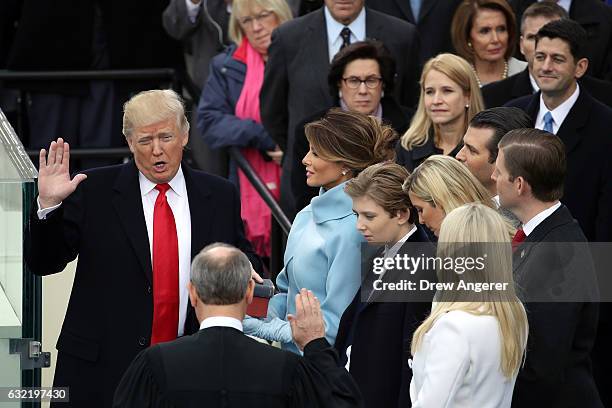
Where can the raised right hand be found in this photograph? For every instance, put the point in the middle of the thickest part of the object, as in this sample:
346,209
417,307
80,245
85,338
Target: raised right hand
54,183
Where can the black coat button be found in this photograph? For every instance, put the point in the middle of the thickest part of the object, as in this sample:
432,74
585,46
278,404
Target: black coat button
142,341
149,289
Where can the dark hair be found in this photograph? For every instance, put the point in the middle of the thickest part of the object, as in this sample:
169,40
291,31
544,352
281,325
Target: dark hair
369,49
569,31
547,9
351,138
382,183
501,120
464,19
538,157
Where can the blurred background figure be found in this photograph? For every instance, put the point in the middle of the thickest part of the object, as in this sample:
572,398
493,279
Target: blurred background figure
595,17
361,79
441,184
484,33
229,113
450,97
375,332
431,17
469,350
324,247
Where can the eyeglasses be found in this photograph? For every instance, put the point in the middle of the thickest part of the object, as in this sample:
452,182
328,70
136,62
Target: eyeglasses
248,20
370,82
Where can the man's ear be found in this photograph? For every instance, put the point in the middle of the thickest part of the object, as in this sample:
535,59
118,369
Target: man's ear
250,291
403,216
193,295
581,68
130,143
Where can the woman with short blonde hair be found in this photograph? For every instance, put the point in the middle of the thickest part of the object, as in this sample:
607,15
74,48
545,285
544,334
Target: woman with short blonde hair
467,353
441,184
449,98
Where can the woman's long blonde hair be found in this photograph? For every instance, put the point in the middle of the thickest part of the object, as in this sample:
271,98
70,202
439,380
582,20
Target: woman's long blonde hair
458,70
470,230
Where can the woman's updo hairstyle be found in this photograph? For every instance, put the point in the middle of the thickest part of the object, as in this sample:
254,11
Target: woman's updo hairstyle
355,140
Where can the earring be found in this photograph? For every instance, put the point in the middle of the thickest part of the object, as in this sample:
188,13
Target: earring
382,94
344,172
340,94
467,106
470,44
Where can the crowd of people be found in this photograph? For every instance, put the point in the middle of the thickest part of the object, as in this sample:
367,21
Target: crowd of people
383,130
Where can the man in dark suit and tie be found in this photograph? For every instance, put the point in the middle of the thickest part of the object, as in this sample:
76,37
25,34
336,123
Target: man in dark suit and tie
134,228
596,18
529,173
535,17
432,17
583,124
295,83
221,367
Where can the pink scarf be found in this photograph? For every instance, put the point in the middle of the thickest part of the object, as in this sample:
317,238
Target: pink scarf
255,213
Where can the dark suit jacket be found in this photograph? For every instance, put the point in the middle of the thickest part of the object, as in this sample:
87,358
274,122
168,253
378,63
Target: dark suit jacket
596,18
501,92
433,24
588,187
110,312
557,371
221,367
411,159
380,334
295,82
396,116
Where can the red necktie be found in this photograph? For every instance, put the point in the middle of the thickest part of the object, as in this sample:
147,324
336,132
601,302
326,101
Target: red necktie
519,237
165,270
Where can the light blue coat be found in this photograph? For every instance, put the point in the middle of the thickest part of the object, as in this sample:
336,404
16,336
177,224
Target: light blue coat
322,255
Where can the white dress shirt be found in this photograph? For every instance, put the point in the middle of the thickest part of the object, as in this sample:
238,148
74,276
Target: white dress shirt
221,321
334,41
193,10
458,364
179,203
534,85
559,113
530,225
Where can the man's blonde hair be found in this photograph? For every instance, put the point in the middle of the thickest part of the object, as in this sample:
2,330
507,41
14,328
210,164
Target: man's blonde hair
149,107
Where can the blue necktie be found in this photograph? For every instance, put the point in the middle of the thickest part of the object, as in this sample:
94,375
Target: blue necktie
548,122
416,9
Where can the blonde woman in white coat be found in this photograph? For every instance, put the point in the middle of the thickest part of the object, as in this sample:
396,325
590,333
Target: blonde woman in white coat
467,353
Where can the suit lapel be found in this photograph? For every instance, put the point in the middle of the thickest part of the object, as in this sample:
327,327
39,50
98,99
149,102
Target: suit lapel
404,6
201,211
127,201
522,85
316,52
576,119
426,6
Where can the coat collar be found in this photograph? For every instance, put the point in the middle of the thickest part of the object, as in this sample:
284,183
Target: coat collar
332,204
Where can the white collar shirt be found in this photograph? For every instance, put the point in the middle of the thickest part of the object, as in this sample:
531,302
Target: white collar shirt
530,225
221,321
534,85
179,203
559,113
334,41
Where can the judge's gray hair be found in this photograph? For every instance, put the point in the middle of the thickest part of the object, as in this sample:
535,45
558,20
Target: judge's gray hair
220,274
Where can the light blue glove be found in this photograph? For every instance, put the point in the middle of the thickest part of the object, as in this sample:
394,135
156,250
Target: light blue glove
271,329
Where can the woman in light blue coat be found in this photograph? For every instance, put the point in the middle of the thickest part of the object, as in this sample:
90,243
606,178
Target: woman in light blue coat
324,247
